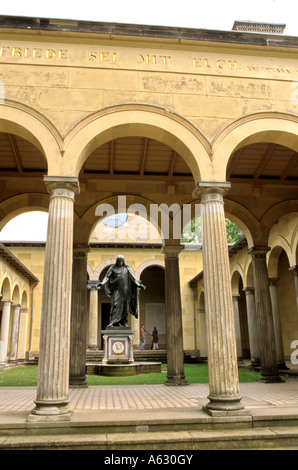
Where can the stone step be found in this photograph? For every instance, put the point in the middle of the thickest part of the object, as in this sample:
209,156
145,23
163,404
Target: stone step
228,439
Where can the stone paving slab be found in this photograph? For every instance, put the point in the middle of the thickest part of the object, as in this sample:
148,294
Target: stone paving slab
152,397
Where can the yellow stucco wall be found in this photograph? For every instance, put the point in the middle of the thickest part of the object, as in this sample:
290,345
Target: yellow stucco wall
203,98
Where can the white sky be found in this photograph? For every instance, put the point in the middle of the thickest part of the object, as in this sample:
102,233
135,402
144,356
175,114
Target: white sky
205,14
199,14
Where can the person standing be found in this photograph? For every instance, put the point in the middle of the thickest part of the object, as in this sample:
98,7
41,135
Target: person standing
143,333
154,338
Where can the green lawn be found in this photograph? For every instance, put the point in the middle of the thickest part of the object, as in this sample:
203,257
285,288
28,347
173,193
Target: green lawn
25,376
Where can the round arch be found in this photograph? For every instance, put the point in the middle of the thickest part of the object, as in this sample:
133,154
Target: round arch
24,299
279,128
236,275
21,203
6,289
27,123
85,225
273,258
16,295
148,263
138,120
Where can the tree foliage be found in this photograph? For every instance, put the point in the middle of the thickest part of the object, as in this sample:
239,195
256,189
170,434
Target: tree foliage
192,232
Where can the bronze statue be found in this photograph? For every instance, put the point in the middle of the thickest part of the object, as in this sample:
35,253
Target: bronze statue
123,288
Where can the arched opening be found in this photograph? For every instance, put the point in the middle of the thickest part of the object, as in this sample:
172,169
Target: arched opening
28,226
152,304
286,303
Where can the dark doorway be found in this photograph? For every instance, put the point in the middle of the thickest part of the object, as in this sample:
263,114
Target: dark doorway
105,315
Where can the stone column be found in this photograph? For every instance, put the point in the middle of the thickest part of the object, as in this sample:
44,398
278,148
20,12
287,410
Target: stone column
237,326
79,316
53,371
277,325
252,326
93,317
175,354
203,340
295,273
14,332
4,330
268,356
222,355
22,342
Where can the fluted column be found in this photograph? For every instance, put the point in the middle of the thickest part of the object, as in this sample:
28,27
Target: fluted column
237,326
277,324
4,329
79,315
222,355
294,269
53,371
14,332
93,316
175,354
268,356
252,326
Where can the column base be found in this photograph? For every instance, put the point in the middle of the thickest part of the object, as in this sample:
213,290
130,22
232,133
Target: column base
50,412
255,364
225,406
78,382
270,378
173,381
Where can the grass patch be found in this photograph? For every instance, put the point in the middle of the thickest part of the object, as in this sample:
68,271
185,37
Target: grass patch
26,376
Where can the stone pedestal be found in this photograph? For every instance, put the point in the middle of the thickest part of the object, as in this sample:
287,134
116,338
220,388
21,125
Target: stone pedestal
118,346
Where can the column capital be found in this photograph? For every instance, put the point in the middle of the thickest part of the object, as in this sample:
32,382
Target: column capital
172,251
62,185
248,290
273,281
258,251
80,250
92,284
294,269
210,189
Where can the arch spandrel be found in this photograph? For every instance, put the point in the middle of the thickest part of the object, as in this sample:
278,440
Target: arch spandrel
138,120
272,127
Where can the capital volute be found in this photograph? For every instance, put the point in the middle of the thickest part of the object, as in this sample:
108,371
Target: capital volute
210,191
63,186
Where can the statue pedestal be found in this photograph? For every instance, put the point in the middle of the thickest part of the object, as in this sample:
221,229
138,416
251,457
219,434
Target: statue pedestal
118,346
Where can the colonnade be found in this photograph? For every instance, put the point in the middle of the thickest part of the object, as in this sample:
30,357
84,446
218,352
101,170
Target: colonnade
17,315
64,280
63,324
